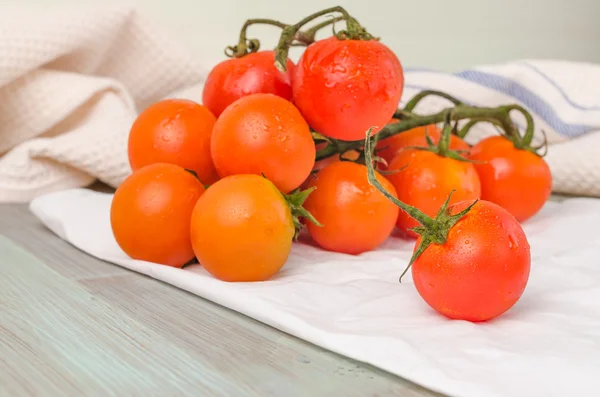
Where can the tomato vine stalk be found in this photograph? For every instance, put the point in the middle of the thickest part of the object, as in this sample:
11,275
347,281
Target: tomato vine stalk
499,116
431,230
247,46
354,31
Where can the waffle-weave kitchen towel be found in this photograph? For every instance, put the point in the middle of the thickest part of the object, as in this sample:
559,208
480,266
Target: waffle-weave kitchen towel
72,82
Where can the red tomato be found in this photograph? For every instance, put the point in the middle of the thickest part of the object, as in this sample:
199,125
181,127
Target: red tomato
264,134
515,179
345,87
481,270
242,229
427,181
237,77
150,214
389,147
355,216
175,131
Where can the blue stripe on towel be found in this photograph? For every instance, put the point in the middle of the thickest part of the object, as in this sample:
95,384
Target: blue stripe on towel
558,88
527,98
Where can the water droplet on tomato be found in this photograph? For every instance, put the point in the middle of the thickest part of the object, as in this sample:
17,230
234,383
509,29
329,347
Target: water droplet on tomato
512,244
339,69
329,84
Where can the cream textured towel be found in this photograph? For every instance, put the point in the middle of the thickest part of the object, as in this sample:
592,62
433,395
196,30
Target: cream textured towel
71,83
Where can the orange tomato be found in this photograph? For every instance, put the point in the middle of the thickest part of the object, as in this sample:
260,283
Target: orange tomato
355,216
150,214
515,179
264,134
175,131
242,229
427,180
389,147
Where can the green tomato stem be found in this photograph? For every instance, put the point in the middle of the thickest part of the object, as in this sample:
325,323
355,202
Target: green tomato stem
353,31
459,112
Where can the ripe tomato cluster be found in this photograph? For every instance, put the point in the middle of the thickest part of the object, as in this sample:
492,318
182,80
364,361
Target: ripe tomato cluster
320,146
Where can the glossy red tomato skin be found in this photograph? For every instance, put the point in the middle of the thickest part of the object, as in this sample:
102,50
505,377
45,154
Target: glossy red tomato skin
482,269
515,179
174,131
264,134
151,211
355,216
345,87
237,77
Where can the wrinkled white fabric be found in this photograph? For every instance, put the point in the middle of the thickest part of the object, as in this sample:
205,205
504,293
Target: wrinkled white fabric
547,345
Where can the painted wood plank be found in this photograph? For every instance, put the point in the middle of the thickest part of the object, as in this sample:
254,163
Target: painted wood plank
291,365
58,339
17,223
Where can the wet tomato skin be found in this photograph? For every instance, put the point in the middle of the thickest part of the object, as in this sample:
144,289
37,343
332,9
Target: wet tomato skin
355,216
481,270
238,77
264,134
242,229
425,179
345,87
515,179
175,131
150,214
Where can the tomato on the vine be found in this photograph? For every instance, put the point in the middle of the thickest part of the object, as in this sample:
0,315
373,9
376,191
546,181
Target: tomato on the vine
175,131
518,180
250,74
388,148
264,134
242,229
481,270
150,214
424,180
345,87
355,217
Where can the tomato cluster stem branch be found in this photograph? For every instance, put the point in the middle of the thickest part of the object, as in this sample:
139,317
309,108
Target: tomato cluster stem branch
245,46
460,112
414,212
308,37
289,33
412,104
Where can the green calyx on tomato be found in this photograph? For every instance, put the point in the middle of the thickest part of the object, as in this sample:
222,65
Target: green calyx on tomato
295,201
442,148
432,230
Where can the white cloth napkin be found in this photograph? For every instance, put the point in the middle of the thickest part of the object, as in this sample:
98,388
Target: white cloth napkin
547,345
72,81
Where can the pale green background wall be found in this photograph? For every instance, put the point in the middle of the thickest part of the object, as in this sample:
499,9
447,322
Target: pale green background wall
442,34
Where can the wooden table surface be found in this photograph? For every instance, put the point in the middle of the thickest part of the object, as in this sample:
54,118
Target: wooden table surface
72,325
